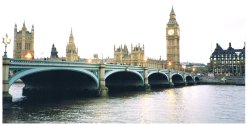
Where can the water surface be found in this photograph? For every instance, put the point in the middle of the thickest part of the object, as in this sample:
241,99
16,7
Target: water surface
200,103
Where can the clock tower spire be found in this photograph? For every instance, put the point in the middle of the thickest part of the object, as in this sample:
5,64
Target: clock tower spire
173,37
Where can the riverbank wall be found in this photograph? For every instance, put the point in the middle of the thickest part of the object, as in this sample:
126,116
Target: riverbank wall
225,81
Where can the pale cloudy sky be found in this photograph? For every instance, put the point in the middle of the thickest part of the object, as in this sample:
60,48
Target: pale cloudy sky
98,25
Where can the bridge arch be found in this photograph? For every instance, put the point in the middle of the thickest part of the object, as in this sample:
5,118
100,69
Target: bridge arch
37,70
124,80
177,79
189,80
56,82
158,79
197,79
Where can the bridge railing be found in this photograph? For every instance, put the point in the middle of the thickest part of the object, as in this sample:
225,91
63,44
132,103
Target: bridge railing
20,62
49,63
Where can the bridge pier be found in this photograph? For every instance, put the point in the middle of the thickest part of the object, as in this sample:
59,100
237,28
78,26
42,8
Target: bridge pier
7,98
103,90
146,84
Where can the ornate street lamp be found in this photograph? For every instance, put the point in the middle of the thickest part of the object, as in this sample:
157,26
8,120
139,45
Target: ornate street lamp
6,41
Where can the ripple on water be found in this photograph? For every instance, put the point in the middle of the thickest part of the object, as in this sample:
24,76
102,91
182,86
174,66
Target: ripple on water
200,104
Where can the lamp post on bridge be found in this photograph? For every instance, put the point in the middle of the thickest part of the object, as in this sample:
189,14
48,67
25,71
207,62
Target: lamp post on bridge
6,41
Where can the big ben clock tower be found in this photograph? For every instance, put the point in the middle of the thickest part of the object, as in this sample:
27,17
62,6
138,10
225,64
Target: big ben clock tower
173,37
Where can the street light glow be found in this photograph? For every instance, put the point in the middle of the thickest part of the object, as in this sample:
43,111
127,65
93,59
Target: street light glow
90,60
28,56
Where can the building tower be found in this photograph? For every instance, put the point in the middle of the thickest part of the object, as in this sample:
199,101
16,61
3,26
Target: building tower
137,55
23,43
71,50
53,54
173,37
120,54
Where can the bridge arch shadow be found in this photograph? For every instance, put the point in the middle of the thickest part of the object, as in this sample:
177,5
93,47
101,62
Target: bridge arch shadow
197,79
178,80
189,80
57,82
158,80
121,80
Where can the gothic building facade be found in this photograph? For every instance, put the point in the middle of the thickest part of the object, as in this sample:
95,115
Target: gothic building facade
71,50
228,62
136,57
23,43
173,44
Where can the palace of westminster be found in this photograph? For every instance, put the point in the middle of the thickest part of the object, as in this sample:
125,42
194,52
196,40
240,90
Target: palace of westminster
221,61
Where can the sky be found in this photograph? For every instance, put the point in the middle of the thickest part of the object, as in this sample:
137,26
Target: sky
98,25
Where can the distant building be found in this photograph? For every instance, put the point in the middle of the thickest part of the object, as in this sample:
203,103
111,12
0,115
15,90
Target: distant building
155,63
229,62
193,67
53,54
23,43
135,57
173,44
71,50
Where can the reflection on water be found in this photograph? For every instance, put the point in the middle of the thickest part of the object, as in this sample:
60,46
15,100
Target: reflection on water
201,104
16,90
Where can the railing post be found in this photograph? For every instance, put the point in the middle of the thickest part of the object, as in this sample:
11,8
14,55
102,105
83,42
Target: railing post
103,90
146,85
7,98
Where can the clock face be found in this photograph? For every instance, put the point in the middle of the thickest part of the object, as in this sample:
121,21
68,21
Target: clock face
170,31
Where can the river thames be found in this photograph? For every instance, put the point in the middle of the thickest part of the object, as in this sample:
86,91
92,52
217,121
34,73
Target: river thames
190,104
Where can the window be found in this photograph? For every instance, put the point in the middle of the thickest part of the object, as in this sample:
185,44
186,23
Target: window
27,46
18,46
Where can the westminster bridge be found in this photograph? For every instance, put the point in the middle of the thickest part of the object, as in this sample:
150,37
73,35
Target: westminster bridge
61,77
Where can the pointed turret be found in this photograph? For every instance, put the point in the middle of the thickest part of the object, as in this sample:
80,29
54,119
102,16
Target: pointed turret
71,37
32,29
172,11
24,27
15,27
71,50
172,19
15,30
